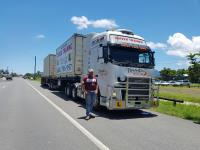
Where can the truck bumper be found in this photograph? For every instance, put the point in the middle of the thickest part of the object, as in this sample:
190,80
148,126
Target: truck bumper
122,105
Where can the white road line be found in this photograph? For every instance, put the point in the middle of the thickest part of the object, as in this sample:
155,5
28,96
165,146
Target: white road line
96,141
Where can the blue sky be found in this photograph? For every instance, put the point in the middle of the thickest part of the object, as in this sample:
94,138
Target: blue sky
29,28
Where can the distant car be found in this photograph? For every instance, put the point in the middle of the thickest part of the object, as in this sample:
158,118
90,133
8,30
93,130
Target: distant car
25,77
184,82
157,82
164,83
172,82
8,77
179,83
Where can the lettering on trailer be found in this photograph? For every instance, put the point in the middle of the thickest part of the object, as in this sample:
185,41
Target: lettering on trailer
59,53
64,58
64,68
98,40
67,48
64,49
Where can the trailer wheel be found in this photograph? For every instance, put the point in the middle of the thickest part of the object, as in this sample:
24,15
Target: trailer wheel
68,91
50,86
74,93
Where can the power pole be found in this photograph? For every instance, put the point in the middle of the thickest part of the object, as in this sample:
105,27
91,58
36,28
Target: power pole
35,69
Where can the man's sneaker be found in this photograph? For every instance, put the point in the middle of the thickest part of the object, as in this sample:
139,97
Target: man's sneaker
92,116
87,117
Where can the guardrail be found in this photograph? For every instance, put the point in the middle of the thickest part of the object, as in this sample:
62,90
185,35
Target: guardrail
156,90
172,100
189,86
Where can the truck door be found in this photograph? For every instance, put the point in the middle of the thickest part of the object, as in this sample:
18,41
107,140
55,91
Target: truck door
100,58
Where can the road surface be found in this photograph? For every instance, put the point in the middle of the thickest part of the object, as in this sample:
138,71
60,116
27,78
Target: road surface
34,118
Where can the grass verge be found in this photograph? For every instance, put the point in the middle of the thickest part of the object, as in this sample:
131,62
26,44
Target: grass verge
189,112
180,96
180,93
37,79
195,85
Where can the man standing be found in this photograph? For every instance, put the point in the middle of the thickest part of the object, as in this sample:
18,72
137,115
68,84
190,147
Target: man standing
90,88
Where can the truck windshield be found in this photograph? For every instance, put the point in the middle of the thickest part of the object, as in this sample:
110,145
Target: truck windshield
131,57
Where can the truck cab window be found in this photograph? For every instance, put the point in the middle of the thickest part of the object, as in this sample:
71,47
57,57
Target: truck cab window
131,57
144,58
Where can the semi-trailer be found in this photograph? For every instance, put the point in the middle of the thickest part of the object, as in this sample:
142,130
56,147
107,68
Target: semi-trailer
122,62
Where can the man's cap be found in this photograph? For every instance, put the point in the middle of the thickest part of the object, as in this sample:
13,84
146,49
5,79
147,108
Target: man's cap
90,70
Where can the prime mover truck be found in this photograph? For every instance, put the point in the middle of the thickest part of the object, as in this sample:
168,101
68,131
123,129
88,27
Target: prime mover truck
122,63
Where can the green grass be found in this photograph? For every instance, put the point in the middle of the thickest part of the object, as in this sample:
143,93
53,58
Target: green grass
180,93
189,112
180,96
37,79
195,85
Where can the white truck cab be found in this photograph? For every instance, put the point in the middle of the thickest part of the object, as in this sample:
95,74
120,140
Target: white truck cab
124,65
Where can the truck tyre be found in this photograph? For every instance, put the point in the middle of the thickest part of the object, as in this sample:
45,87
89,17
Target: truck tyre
68,91
50,86
74,93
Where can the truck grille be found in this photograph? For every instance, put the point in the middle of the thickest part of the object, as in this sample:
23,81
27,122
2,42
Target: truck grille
138,80
138,88
138,98
138,92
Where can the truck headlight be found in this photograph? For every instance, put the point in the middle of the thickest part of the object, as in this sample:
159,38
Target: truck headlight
114,94
122,78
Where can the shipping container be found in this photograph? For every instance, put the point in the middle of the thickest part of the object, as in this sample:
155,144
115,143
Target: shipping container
70,57
49,66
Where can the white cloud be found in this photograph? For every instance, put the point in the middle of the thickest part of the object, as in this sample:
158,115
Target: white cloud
157,45
83,23
177,52
40,36
183,63
104,23
180,45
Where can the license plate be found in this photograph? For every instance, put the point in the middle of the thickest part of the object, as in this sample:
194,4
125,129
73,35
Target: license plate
119,104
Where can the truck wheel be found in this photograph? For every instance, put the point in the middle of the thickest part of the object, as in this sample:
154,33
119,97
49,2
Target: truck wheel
68,91
50,86
74,93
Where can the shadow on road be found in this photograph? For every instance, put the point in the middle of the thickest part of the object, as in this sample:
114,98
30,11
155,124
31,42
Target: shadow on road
44,87
124,114
197,122
61,95
110,114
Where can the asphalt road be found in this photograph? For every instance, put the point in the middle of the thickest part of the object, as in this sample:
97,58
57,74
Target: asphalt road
34,118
